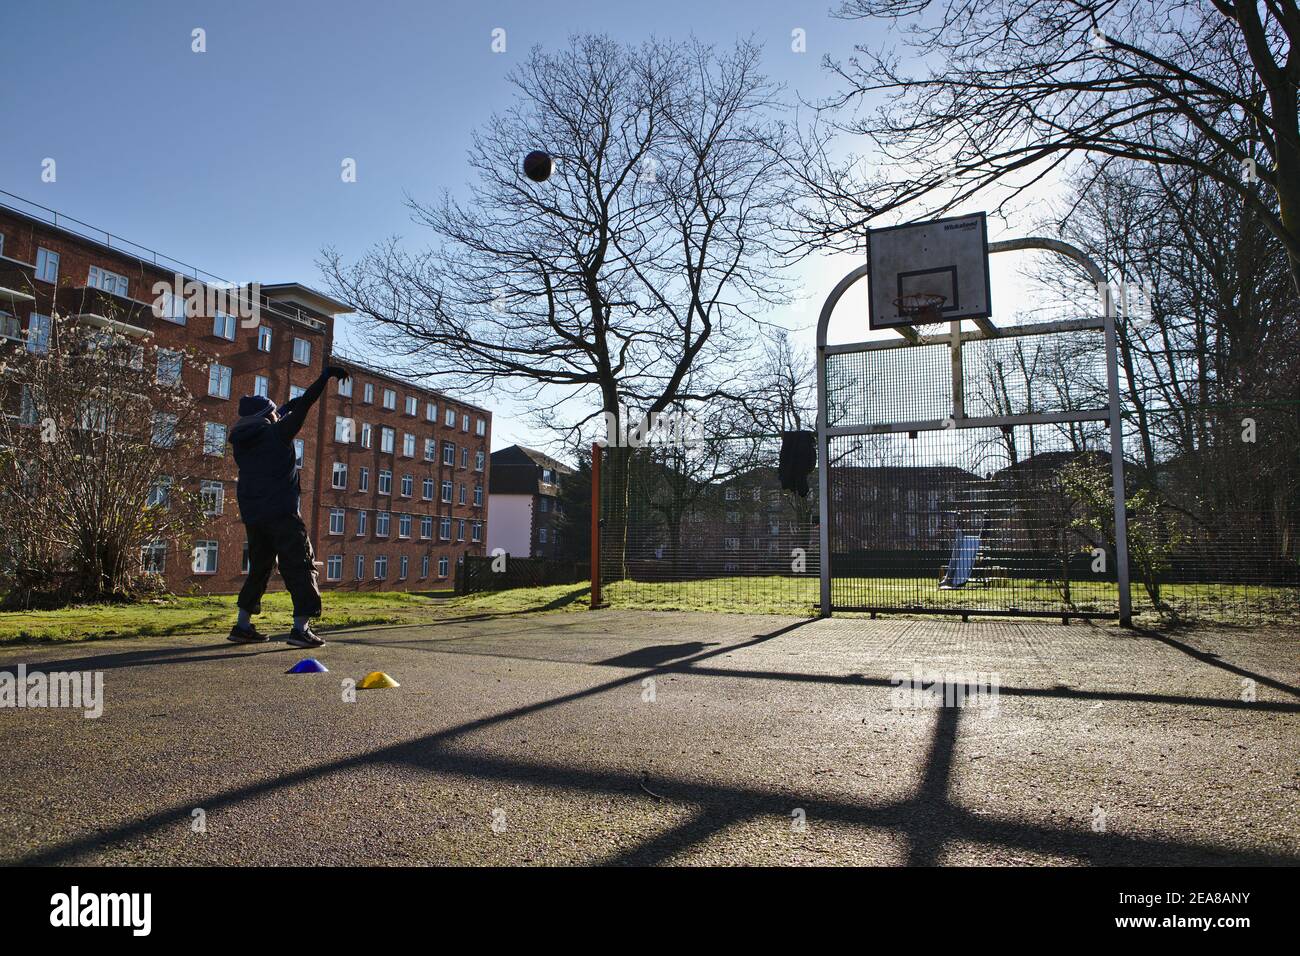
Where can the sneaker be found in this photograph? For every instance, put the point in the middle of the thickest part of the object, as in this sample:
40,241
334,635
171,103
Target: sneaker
304,638
246,635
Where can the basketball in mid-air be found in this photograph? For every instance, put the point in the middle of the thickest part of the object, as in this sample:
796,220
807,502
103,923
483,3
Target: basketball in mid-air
538,166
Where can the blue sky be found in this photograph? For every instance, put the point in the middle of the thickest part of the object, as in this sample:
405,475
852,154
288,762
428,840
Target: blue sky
230,159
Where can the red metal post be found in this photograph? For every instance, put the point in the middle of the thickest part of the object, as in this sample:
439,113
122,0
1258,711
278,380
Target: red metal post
595,526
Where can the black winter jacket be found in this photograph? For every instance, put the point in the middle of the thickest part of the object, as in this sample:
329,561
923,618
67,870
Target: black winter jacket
268,470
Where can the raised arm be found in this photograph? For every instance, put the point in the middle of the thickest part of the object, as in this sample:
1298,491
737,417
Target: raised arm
294,413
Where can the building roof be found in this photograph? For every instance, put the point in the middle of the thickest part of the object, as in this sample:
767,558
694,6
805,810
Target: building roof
343,359
305,295
520,455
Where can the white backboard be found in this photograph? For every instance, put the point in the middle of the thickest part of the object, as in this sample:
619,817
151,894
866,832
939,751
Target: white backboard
948,257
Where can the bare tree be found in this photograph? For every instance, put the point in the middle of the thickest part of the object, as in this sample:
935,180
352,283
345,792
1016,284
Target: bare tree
1009,91
635,275
96,456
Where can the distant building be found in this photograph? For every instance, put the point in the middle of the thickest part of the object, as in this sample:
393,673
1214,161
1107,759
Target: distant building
524,492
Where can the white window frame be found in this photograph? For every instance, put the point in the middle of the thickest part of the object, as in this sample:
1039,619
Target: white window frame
389,399
217,489
408,445
338,521
387,439
223,326
262,386
167,359
107,281
264,338
344,430
302,351
345,387
334,567
449,418
219,379
44,272
339,475
209,434
211,549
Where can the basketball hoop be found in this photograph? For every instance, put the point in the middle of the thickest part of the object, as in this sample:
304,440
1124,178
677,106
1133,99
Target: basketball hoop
921,306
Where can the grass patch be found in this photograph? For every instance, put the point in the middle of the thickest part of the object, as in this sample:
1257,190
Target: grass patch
213,614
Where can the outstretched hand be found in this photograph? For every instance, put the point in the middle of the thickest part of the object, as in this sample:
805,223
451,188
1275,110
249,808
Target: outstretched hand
336,371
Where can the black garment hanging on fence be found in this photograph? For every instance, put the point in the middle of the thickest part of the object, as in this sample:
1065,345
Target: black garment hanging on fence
798,459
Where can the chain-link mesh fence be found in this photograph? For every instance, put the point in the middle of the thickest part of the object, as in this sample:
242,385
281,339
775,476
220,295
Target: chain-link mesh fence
706,528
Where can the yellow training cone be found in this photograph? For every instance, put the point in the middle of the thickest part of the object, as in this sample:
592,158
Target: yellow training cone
377,679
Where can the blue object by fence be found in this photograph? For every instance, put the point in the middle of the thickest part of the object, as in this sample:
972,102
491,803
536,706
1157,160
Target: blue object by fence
964,550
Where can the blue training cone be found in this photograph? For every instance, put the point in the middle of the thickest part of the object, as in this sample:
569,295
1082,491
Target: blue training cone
308,665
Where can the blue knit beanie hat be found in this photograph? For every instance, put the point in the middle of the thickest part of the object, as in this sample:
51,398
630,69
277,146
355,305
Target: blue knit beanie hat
255,405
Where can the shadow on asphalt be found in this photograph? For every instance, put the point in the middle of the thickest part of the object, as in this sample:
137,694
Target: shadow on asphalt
928,821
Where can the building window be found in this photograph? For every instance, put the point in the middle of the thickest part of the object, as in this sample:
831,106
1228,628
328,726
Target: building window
334,567
169,367
337,518
361,523
479,458
339,475
461,499
403,526
385,481
412,405
387,438
430,449
153,557
446,492
381,567
408,485
541,535
426,527
390,399
219,380
164,430
295,391
345,386
478,496
464,423
382,520
214,438
408,445
264,338
212,494
344,430
160,492
365,435
431,411
360,570
223,326
460,529
47,265
424,566
368,393
733,494
543,504
444,565
38,334
363,479
107,281
480,427
449,418
302,351
444,529
11,327
449,454
402,564
464,457
476,531
205,557
262,386
299,449
426,489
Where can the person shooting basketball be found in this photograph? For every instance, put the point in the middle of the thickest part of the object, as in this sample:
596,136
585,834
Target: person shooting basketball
268,493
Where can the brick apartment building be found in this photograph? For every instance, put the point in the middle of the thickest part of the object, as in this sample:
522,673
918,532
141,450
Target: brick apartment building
54,265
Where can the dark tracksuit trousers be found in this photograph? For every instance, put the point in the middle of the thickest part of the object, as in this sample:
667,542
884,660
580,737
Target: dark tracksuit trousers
269,494
284,539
